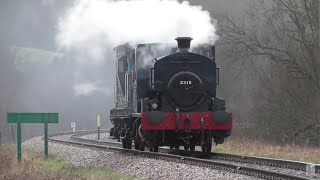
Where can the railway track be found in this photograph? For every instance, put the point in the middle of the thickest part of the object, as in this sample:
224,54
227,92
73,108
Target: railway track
246,165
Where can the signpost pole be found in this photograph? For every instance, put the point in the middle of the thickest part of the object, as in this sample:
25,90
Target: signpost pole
46,137
98,122
12,132
19,141
44,118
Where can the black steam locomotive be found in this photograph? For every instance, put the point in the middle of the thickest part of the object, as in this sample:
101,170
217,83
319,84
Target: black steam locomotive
166,96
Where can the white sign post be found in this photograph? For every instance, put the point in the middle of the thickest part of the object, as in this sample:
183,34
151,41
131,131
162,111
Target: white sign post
73,126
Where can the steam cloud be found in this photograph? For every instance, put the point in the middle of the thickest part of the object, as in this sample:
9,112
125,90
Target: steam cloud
87,89
95,23
90,27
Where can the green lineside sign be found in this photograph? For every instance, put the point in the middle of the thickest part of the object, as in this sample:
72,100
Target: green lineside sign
20,118
32,117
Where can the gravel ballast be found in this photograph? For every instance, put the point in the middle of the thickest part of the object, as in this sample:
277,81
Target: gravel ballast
128,164
105,137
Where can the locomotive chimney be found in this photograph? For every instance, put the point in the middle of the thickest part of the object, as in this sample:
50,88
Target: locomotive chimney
183,44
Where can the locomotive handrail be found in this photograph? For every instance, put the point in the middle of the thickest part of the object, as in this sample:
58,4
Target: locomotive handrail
218,76
126,86
152,76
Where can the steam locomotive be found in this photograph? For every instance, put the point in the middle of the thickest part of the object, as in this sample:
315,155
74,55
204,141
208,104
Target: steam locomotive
166,96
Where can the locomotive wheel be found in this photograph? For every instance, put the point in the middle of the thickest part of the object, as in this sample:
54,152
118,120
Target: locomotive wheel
138,145
142,146
192,148
129,144
124,144
154,148
186,147
206,148
111,131
116,134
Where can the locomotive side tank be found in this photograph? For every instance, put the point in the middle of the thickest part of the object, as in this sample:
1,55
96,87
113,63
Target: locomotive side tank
172,100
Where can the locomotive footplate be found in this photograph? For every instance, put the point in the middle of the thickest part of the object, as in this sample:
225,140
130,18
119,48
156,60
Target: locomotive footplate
120,113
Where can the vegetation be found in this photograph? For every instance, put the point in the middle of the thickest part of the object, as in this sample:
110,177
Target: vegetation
35,167
274,54
263,149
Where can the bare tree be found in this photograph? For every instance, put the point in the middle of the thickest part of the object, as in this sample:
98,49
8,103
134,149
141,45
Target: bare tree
280,39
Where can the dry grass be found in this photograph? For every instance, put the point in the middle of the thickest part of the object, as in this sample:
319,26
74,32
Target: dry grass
35,167
10,169
259,148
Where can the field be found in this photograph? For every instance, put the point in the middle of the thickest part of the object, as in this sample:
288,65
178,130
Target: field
35,167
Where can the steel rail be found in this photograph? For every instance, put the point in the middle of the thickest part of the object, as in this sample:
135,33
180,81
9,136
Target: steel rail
281,163
83,132
272,162
255,172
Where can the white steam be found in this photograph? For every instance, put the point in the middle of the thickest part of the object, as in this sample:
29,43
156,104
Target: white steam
96,23
90,27
87,89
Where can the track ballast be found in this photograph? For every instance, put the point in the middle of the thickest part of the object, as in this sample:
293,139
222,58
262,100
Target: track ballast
215,160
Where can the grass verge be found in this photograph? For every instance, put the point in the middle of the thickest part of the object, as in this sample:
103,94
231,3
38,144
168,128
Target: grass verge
35,167
262,149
